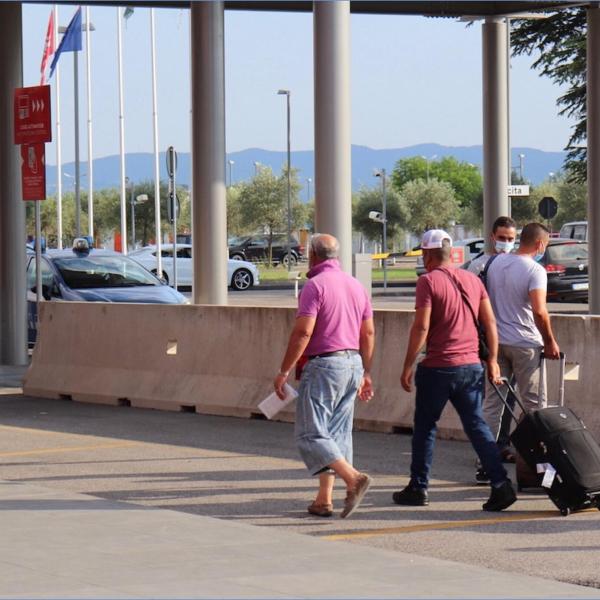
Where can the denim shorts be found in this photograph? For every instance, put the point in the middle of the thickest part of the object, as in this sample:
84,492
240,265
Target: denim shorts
325,410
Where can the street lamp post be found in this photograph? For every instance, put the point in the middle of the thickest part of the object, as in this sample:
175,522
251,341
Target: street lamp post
230,163
308,182
381,173
256,167
521,157
427,164
289,182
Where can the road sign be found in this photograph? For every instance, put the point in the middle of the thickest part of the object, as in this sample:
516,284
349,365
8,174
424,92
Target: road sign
32,115
33,171
548,207
518,190
173,207
171,161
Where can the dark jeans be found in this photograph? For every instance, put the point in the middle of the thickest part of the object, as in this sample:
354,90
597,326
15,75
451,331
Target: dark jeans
463,386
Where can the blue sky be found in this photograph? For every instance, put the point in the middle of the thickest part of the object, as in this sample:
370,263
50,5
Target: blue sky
413,80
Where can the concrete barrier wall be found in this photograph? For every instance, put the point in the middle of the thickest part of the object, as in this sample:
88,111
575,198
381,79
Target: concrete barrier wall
221,360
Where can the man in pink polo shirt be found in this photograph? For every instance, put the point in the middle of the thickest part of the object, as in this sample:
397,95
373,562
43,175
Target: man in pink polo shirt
334,331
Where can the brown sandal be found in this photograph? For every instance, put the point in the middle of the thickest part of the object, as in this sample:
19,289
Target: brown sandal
321,510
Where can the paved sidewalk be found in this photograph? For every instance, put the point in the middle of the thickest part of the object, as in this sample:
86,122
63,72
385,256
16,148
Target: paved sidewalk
108,502
62,544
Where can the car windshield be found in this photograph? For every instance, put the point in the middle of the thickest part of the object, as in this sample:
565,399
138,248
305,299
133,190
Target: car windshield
236,241
567,252
84,272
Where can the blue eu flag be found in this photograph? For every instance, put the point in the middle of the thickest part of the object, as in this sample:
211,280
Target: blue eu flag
71,41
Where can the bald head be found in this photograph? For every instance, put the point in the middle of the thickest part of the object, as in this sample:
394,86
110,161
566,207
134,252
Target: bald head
324,246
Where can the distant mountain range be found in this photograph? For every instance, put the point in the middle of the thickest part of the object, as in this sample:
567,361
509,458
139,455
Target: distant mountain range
537,164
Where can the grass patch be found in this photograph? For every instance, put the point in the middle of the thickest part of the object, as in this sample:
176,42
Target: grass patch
395,274
280,274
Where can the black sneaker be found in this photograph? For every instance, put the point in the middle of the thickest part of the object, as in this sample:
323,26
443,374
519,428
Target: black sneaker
501,497
481,477
411,496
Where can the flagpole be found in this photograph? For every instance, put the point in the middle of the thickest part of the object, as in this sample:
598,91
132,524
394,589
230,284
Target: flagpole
157,219
76,128
59,229
122,135
88,50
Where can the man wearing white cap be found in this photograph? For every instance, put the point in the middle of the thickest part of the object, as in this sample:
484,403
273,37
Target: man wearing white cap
449,305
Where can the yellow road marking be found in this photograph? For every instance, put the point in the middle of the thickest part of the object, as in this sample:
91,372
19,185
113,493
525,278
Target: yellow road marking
542,514
67,449
41,431
90,436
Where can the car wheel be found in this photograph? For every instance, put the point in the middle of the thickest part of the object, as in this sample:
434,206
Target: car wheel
291,258
242,279
164,276
237,257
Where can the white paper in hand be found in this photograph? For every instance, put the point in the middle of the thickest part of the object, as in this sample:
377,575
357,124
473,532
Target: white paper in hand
271,405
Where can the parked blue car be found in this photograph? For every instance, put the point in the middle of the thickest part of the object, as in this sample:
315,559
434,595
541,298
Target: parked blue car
89,275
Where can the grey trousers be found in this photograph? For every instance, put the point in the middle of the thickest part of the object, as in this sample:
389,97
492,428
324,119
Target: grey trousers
524,365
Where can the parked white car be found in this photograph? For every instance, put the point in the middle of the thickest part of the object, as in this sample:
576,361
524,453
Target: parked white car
241,275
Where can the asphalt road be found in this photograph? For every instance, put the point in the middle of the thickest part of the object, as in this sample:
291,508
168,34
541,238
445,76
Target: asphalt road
395,299
248,471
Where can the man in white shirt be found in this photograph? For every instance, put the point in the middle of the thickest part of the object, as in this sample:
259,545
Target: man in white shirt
516,284
504,234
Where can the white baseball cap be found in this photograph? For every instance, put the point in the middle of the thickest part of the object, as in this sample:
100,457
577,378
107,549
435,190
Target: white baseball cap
434,238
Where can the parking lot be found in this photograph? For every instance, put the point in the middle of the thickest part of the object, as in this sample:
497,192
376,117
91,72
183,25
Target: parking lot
395,298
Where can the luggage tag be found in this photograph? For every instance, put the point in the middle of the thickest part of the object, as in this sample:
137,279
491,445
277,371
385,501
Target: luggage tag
549,474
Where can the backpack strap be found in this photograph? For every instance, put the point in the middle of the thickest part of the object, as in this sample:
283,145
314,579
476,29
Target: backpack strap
464,296
484,273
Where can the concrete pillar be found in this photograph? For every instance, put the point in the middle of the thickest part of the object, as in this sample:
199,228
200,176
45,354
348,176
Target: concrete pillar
495,123
13,319
209,212
593,155
333,175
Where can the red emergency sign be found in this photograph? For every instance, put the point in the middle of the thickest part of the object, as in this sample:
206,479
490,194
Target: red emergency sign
457,255
33,171
32,115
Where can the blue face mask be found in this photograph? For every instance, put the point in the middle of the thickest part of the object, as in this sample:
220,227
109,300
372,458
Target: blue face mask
538,257
504,246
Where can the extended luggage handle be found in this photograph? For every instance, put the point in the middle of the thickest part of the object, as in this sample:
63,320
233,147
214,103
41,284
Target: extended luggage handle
510,390
543,400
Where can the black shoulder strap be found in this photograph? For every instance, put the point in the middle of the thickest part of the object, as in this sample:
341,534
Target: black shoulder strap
464,296
484,273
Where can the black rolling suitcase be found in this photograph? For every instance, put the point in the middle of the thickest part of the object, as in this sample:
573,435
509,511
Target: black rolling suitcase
555,443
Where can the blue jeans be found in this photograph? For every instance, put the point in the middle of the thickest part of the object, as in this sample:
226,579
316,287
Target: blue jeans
325,410
463,386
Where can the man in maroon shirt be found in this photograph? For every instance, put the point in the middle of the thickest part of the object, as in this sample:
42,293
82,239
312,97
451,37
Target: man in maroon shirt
451,369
